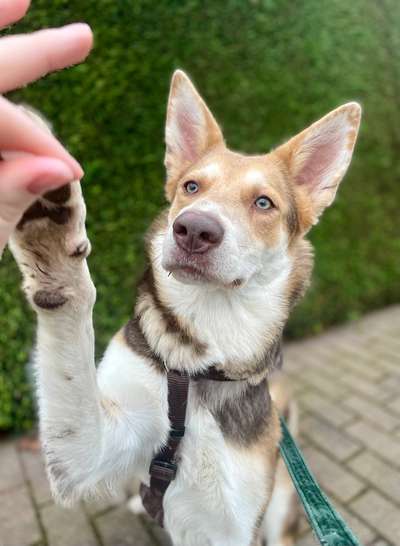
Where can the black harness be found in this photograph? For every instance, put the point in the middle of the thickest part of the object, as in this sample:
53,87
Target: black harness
163,466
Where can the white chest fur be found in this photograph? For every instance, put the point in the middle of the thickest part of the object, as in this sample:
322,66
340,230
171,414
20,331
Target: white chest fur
218,485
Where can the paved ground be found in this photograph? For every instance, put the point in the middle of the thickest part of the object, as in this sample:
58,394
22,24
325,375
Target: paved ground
347,382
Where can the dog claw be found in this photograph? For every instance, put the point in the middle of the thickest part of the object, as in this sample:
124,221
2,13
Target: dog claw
82,250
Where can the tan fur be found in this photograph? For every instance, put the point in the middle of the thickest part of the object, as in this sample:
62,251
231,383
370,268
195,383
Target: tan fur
300,276
265,449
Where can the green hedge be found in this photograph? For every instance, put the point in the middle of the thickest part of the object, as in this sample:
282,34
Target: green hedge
267,68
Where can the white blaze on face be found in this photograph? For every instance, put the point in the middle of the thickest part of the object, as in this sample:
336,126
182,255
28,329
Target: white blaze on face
211,171
254,176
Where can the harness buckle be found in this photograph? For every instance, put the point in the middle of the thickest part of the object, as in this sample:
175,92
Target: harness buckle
163,470
177,432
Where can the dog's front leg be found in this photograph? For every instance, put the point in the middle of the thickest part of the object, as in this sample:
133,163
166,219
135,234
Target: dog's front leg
89,439
51,247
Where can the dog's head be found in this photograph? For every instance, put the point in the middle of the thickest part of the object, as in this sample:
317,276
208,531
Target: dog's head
234,215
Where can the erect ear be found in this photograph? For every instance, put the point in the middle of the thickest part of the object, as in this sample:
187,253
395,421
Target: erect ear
317,158
190,129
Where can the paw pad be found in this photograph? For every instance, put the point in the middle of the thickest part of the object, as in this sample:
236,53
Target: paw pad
49,299
59,215
59,196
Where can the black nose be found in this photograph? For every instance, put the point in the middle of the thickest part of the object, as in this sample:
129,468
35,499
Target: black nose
197,232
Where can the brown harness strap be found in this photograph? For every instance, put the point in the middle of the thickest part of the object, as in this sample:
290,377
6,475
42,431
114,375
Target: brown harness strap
163,466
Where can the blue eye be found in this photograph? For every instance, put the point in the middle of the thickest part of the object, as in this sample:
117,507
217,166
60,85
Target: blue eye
263,202
191,186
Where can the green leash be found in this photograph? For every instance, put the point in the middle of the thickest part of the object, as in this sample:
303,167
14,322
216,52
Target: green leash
328,525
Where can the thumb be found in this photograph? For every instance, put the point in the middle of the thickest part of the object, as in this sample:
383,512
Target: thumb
22,181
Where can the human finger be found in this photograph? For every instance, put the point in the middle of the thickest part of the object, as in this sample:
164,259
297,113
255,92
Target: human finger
12,10
19,133
28,57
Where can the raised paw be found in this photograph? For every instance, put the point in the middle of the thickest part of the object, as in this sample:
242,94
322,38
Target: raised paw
50,245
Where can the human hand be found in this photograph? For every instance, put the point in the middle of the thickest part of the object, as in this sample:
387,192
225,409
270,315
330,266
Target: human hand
33,161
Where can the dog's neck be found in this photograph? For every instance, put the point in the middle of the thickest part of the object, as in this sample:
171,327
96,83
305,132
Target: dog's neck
192,327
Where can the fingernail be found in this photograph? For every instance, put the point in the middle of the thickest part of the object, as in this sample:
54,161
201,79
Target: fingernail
79,26
77,169
50,181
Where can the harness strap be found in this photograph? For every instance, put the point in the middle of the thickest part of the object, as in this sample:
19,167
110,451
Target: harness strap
328,525
163,466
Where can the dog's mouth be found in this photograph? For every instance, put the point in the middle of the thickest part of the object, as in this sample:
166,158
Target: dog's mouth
188,266
197,267
190,272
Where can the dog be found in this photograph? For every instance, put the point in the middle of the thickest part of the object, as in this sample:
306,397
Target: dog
228,260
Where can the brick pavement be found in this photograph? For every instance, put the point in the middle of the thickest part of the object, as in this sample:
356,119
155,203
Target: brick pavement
347,383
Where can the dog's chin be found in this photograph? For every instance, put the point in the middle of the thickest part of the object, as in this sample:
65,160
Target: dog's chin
193,273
